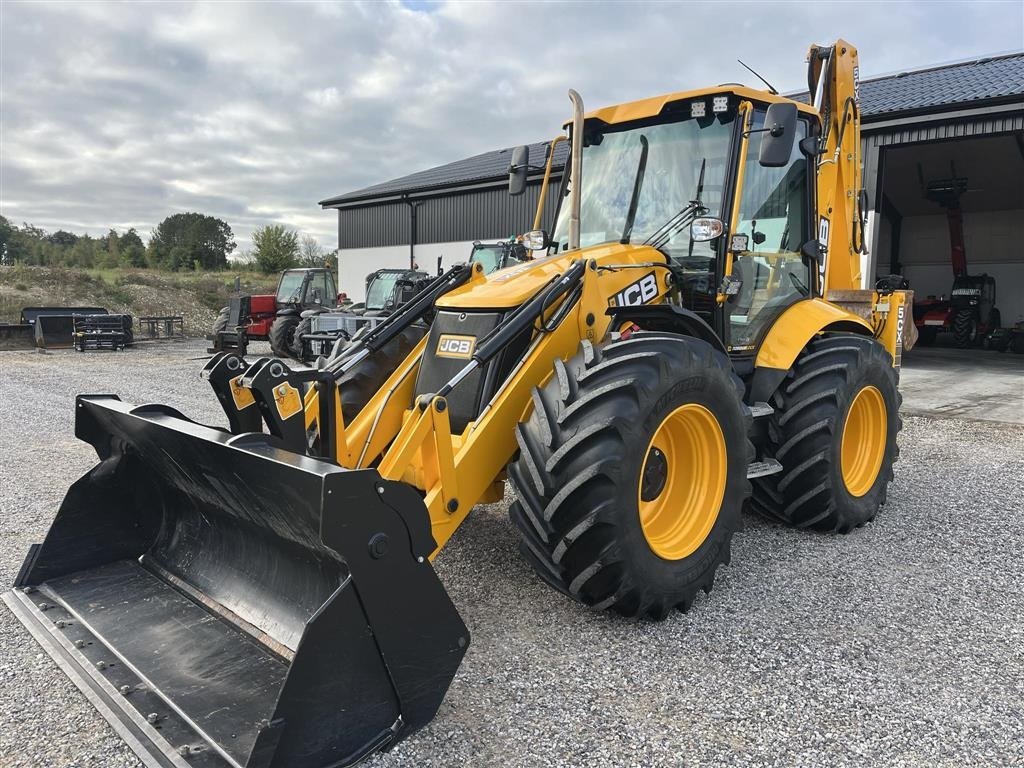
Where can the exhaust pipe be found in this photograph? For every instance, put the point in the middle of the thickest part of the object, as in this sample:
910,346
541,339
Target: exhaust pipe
576,169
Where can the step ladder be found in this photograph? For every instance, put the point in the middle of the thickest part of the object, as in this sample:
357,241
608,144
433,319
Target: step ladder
763,466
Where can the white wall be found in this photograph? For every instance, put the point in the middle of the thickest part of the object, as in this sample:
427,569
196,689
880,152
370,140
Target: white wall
354,264
995,244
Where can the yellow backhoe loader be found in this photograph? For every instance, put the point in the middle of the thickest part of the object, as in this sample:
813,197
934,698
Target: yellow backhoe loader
692,334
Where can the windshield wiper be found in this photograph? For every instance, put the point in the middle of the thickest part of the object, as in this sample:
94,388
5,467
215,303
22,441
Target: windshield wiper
686,214
638,182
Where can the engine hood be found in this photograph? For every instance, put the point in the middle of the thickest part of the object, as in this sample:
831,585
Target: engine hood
512,286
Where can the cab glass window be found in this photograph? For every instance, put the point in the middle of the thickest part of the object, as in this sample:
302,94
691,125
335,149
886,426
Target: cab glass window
773,216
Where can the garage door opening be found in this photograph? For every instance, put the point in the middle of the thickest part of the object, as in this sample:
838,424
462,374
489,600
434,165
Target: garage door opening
952,223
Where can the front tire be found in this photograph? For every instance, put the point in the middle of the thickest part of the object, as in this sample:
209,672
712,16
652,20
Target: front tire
632,473
361,383
834,432
965,329
282,333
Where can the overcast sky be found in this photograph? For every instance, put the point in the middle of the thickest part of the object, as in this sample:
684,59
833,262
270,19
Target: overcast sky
121,114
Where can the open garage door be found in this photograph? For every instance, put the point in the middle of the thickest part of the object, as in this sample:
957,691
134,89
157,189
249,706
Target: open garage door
951,220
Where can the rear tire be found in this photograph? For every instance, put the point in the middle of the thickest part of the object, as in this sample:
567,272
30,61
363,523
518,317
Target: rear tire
584,473
360,384
965,329
806,433
282,333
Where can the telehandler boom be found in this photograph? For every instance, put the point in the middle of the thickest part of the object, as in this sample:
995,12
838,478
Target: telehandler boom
691,335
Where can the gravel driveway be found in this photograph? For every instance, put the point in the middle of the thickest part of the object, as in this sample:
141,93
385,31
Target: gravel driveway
899,644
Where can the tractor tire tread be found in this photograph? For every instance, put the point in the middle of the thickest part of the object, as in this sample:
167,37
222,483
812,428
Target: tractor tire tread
568,468
358,385
281,332
802,430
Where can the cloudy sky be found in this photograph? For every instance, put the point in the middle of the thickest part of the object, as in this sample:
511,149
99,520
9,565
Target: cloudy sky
121,114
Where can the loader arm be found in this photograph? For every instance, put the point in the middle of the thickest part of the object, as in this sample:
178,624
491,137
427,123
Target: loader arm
458,471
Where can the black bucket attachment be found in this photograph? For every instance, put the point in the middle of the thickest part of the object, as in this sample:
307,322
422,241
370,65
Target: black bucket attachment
223,602
17,336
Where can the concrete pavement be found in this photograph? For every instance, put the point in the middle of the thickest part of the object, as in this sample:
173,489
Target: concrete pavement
963,384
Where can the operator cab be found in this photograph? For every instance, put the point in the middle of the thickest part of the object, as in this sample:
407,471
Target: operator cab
664,173
307,288
495,256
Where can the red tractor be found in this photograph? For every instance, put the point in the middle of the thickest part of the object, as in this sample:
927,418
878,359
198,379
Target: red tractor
274,318
970,312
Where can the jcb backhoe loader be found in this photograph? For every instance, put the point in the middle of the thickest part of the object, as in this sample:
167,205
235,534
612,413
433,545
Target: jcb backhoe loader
695,325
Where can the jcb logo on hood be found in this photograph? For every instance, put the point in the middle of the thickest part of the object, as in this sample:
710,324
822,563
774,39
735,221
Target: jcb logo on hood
640,292
450,345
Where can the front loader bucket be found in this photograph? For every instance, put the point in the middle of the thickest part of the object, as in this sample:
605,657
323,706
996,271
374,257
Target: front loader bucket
223,602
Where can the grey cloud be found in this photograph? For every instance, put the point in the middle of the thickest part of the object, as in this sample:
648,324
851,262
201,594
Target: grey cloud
122,114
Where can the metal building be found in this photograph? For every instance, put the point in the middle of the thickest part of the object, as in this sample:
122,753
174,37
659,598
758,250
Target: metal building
963,120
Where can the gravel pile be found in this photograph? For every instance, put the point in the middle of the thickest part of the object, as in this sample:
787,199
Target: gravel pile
899,644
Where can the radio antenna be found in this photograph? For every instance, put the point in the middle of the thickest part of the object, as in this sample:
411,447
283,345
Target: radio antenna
770,86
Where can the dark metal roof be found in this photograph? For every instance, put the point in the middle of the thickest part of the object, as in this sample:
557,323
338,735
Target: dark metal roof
964,84
489,166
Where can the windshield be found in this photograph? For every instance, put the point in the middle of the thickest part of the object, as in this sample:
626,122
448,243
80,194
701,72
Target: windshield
381,289
495,256
290,288
636,179
488,255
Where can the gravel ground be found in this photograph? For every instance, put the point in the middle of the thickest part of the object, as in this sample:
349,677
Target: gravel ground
900,644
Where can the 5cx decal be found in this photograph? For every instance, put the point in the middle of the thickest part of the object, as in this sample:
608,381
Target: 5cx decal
450,345
822,251
640,292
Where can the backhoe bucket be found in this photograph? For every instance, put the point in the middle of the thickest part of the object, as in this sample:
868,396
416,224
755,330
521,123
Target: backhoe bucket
223,602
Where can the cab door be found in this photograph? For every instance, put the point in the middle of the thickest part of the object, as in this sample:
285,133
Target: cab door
772,224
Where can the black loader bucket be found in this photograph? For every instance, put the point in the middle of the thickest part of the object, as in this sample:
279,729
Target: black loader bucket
223,602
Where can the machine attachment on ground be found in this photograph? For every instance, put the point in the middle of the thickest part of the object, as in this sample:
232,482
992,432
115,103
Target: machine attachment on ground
112,332
154,591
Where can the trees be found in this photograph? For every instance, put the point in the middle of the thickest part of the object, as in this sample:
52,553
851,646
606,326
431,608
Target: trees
133,252
63,239
181,241
311,253
23,244
190,241
275,248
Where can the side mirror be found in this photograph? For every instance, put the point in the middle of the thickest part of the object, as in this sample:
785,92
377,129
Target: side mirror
778,135
706,228
517,170
810,251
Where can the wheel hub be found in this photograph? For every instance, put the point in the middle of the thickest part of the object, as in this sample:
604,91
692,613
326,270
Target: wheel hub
682,481
652,483
863,443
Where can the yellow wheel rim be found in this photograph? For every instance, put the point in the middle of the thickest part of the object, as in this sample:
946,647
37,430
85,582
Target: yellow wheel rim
864,436
682,481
